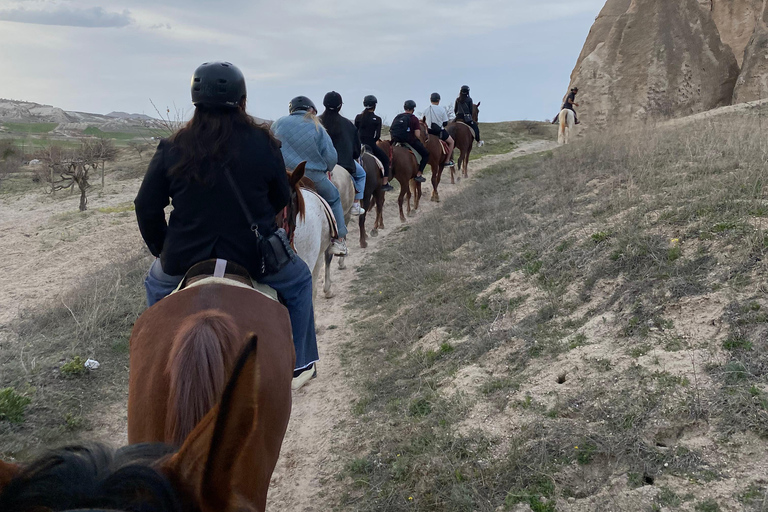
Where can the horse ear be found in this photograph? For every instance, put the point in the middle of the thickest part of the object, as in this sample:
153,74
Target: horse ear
478,104
7,473
205,464
297,174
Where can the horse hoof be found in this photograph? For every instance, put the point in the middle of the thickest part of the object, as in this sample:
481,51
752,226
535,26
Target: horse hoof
363,244
375,233
412,213
342,264
330,295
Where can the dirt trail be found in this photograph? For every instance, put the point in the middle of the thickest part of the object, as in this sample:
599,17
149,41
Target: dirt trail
321,410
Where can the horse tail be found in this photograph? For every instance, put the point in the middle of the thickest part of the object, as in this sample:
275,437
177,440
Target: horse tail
201,356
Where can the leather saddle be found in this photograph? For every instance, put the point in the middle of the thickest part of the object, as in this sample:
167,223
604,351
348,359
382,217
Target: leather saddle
216,268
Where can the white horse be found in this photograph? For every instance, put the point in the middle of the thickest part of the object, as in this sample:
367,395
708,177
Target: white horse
567,126
312,237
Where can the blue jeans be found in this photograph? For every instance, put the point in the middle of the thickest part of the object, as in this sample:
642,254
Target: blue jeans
330,193
359,178
294,286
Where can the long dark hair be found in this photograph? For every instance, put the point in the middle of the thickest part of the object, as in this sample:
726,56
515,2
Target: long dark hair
331,120
204,144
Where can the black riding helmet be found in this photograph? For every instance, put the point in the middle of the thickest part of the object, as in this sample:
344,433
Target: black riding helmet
300,103
464,89
575,89
409,105
434,98
332,101
218,84
370,101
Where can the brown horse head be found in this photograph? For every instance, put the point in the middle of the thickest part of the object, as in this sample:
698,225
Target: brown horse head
475,110
296,203
204,464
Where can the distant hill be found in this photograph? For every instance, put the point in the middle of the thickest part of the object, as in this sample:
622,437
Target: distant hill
12,111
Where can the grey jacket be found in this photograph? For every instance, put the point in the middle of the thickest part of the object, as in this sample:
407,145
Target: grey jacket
302,141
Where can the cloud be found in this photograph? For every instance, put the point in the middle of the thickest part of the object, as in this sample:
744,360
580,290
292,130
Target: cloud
95,17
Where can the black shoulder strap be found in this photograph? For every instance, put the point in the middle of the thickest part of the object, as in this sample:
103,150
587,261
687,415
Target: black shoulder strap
243,206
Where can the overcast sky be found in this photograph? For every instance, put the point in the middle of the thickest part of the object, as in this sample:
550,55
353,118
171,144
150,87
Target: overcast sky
100,56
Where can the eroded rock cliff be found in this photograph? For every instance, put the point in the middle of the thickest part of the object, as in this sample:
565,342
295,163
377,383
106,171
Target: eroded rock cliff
659,58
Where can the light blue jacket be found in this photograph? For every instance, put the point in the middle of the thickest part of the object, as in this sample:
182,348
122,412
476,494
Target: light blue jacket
304,141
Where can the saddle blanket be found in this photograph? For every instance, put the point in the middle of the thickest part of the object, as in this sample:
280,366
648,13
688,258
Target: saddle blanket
375,159
410,148
328,212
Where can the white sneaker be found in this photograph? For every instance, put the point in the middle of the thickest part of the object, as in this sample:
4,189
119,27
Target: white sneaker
357,209
304,377
339,248
480,144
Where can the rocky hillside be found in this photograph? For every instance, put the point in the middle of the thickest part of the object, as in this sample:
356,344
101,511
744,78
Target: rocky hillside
29,112
646,59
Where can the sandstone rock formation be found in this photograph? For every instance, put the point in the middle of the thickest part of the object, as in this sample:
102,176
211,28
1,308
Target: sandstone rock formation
659,58
753,81
654,58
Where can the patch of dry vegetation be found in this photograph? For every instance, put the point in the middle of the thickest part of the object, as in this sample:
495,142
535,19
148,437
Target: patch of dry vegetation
54,397
584,330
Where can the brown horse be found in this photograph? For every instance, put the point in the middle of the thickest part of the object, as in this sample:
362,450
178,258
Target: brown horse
372,195
213,471
404,168
182,352
436,158
464,137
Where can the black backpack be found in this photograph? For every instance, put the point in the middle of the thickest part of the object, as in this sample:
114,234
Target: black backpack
401,127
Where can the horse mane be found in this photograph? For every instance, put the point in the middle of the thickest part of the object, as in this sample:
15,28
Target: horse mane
306,183
199,363
302,209
95,476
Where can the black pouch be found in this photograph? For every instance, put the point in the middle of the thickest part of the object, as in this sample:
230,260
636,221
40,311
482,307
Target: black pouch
276,252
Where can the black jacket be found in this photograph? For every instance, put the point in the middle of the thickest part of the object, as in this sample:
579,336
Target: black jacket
462,106
207,220
369,126
344,137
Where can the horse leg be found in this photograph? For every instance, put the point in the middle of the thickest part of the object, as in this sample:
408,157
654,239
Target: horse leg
327,288
435,182
403,191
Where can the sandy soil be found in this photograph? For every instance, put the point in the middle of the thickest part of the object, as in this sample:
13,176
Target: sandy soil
304,478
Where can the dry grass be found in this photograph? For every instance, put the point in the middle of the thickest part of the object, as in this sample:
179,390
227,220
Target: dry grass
591,295
42,359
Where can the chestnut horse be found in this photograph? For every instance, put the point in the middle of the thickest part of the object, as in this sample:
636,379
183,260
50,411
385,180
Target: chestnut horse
404,168
464,137
436,158
220,466
182,352
372,195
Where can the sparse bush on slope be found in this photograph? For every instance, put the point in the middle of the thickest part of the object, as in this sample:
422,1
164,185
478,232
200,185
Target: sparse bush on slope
587,296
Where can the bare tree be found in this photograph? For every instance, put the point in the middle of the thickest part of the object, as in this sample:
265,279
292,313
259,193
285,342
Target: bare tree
72,167
139,147
10,159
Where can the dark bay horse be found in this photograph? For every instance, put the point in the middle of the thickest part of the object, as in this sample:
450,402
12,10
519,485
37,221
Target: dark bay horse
206,474
182,353
464,137
404,168
372,195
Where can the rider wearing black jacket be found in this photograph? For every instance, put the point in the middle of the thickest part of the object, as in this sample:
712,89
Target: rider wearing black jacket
344,136
369,128
463,110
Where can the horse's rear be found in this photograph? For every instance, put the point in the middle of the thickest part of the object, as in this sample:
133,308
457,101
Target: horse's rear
404,168
464,138
373,194
567,121
181,355
312,239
